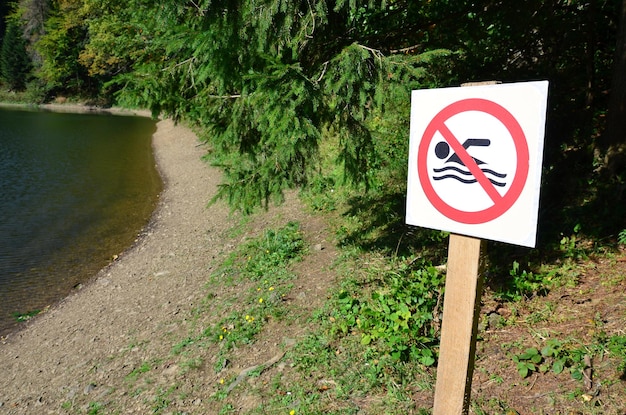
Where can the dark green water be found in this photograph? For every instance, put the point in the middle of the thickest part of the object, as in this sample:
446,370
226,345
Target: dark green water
75,189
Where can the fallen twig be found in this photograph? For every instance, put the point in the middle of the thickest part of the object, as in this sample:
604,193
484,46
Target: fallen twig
263,366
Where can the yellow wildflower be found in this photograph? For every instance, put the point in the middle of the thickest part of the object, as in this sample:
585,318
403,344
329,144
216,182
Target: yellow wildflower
260,300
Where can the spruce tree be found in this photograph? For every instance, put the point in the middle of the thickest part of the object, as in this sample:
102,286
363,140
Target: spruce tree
4,11
271,81
15,64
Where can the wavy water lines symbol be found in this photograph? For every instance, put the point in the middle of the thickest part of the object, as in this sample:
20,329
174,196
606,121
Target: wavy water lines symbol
456,173
442,150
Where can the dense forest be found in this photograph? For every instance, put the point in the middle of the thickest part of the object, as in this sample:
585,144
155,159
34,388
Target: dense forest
315,94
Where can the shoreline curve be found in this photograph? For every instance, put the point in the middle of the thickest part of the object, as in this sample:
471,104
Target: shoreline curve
131,299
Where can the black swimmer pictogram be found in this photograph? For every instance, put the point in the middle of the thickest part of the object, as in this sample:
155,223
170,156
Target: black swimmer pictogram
442,150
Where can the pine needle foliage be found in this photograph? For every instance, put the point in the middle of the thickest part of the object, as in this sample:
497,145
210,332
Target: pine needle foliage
15,64
271,82
268,80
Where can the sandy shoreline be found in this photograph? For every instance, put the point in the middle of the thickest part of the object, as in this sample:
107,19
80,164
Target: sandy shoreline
65,350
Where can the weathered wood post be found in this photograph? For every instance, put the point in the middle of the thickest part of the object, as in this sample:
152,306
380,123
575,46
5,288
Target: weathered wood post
461,310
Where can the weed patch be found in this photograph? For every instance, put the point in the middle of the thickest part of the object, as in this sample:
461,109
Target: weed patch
398,317
21,317
558,356
377,338
261,268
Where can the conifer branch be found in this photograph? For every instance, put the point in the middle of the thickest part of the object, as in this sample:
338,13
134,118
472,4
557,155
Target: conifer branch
374,52
323,72
405,50
202,12
178,64
312,20
234,96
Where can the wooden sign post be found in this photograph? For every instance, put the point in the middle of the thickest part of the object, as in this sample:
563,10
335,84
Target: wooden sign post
461,309
474,169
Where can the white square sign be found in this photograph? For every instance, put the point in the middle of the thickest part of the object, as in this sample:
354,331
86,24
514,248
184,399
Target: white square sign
475,158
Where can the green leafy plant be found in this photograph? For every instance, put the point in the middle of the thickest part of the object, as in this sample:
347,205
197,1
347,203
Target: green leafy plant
621,238
397,317
556,356
570,246
528,361
616,345
523,284
552,357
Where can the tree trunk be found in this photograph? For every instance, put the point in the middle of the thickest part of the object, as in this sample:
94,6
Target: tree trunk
614,140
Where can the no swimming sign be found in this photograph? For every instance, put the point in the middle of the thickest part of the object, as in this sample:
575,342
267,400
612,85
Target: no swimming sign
475,158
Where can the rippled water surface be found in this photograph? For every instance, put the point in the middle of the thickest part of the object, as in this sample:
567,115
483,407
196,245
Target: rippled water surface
75,189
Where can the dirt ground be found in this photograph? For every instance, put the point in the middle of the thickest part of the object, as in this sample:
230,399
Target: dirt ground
589,307
82,350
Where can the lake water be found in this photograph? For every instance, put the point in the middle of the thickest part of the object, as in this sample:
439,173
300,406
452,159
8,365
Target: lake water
75,189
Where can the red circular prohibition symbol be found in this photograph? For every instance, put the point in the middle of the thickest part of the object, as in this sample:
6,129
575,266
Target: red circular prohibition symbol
501,203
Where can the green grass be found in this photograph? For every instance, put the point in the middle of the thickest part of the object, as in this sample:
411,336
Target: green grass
261,268
243,294
375,340
21,317
145,367
372,339
372,318
373,346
